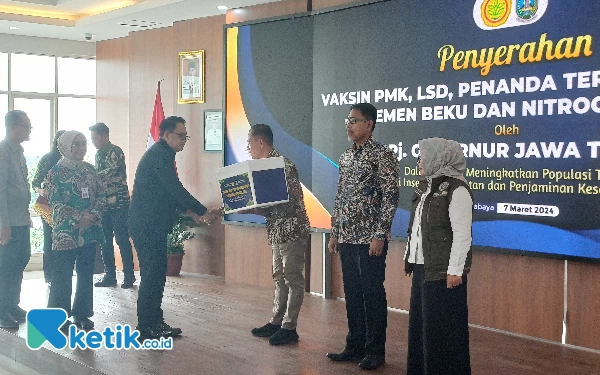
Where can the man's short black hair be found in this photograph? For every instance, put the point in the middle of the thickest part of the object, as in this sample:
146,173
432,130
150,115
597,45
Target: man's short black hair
368,110
13,117
100,128
169,124
262,131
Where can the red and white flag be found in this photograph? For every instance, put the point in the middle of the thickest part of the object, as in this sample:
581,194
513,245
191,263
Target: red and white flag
157,116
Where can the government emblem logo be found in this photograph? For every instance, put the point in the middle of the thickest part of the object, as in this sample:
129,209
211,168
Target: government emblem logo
495,13
526,9
500,14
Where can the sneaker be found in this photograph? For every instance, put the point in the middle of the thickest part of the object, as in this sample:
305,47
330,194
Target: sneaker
106,282
85,324
284,336
267,330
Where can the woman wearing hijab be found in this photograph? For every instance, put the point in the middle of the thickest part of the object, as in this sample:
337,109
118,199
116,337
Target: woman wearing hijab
438,255
77,201
45,164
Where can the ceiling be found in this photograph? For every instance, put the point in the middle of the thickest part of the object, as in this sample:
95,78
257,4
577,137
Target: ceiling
104,19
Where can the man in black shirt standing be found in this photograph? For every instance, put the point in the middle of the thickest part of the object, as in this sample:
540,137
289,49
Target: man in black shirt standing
158,197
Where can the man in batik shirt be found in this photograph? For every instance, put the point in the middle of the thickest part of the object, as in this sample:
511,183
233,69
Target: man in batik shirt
365,204
110,164
288,232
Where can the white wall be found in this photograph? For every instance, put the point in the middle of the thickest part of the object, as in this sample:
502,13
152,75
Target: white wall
46,46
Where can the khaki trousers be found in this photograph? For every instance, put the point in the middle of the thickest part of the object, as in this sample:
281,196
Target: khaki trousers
288,264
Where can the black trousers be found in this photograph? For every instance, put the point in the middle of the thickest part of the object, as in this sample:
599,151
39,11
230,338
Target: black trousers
438,331
151,248
47,251
62,281
366,304
14,257
114,224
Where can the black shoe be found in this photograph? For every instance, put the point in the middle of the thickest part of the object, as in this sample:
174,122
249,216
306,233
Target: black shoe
346,355
8,322
372,361
18,314
153,332
65,327
284,336
165,327
267,330
106,282
85,324
127,284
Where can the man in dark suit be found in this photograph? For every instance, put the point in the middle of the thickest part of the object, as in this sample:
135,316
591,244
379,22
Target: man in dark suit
158,197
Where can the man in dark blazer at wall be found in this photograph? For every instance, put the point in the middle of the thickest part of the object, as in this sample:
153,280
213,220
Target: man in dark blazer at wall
158,197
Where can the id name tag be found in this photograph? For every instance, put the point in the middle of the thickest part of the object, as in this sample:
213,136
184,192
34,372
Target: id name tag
85,194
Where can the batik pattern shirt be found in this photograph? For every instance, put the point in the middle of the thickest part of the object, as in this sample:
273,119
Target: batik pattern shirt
288,222
367,194
110,164
44,165
71,192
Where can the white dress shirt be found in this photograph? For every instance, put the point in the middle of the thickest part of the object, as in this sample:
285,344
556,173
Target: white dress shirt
461,219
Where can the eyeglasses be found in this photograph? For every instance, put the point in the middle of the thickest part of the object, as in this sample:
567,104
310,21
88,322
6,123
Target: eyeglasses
183,136
353,120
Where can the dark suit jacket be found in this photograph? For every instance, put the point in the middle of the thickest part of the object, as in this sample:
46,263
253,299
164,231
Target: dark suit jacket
158,195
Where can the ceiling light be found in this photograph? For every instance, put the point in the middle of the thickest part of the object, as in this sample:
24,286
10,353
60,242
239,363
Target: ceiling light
14,28
222,7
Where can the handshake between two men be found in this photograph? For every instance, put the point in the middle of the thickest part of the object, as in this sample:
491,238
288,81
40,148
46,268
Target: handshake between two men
208,218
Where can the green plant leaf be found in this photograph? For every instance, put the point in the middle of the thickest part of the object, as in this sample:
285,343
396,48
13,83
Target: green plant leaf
179,234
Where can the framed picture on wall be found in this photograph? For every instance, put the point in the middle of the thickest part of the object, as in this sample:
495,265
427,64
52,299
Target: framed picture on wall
191,77
213,130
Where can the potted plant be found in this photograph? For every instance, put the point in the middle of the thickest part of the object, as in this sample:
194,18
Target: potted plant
175,240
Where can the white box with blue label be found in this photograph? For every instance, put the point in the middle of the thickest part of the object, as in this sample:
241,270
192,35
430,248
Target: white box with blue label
253,183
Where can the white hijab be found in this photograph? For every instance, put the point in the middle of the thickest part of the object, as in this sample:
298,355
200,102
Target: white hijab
65,145
442,157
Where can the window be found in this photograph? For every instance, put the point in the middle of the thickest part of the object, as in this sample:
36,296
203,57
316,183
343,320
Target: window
78,114
52,101
39,112
3,110
31,73
3,72
76,76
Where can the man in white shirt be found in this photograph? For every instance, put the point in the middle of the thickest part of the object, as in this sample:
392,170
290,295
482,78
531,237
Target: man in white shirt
15,195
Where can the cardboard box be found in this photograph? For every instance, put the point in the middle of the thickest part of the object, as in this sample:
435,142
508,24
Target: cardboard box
253,183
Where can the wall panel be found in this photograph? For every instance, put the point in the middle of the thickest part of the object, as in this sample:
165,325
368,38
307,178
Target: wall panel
517,293
205,253
248,256
583,317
